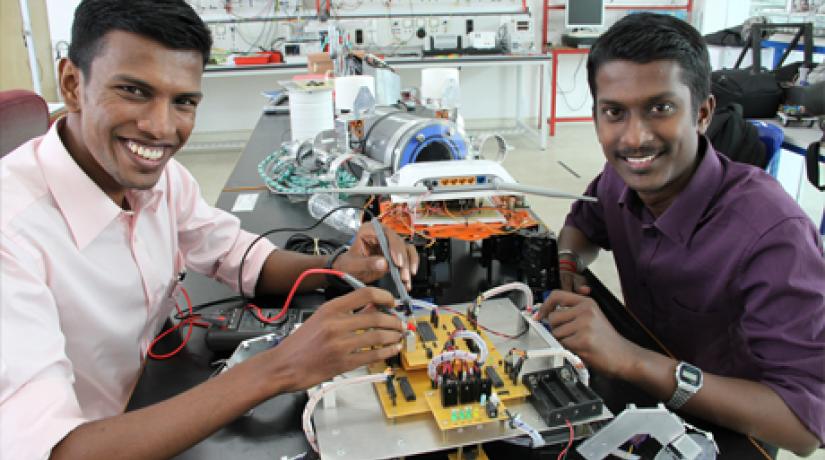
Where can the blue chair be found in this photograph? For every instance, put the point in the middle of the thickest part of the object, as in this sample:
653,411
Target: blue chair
772,137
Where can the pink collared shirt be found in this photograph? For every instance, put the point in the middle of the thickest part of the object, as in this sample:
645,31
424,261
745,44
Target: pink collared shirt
85,286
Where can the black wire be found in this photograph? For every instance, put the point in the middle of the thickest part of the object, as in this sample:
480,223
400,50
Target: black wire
288,229
212,303
306,244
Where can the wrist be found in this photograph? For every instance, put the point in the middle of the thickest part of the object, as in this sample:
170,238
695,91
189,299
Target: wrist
334,281
570,261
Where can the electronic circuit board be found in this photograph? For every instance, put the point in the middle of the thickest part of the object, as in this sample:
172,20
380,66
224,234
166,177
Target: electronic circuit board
413,390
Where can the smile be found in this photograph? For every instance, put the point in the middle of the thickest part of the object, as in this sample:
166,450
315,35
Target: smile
145,151
641,163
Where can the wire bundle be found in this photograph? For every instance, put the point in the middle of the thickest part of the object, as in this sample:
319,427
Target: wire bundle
281,174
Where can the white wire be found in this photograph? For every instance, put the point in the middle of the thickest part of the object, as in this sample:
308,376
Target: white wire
538,440
319,393
523,288
482,345
424,304
448,356
572,358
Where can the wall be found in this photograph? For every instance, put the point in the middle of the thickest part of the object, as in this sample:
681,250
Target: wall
232,104
14,59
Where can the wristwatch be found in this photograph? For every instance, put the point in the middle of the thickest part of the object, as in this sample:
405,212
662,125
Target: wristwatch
334,281
688,382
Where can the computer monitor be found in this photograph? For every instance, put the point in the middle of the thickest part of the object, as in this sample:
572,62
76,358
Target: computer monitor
584,13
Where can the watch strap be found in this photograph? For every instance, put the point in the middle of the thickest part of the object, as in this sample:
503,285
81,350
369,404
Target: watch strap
332,280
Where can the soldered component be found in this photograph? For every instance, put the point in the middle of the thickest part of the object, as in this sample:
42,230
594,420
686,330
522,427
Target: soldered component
406,389
449,393
492,374
426,332
459,325
391,389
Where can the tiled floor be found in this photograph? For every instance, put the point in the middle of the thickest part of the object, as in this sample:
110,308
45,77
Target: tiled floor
571,161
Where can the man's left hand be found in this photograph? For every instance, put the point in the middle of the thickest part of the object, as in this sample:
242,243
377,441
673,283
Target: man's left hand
365,261
579,325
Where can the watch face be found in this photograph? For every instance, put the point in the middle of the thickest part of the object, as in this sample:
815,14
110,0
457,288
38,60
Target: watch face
690,375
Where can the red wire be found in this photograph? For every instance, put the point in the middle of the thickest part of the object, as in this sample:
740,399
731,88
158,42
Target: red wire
256,310
569,442
190,320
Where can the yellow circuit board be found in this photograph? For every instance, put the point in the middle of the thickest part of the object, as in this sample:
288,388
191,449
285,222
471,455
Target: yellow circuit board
428,399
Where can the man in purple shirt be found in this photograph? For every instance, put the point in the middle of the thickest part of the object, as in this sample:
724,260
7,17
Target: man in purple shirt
715,259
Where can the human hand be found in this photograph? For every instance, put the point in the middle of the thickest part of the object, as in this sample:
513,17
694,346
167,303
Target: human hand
335,339
579,325
573,282
365,261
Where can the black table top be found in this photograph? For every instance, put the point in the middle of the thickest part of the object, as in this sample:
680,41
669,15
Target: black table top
273,429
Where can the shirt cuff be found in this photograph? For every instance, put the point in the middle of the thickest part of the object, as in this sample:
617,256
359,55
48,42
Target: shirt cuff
254,263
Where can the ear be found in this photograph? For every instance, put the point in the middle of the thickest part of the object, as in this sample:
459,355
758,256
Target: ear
705,114
71,83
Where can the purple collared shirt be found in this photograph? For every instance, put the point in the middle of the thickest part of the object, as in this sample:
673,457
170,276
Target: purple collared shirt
731,277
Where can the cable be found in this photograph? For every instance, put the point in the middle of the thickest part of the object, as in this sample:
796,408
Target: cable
286,229
305,244
447,356
563,453
212,303
316,395
256,310
191,320
521,287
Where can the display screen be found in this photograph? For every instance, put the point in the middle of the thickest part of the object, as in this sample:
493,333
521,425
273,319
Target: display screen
584,13
690,375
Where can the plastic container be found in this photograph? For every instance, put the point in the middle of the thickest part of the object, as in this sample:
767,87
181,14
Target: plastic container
346,220
252,59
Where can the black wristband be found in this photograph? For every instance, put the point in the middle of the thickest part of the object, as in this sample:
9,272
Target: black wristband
333,280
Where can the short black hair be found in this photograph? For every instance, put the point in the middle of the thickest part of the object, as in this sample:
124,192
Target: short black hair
646,37
172,23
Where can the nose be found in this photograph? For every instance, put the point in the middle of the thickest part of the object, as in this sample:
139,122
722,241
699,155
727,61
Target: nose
158,120
637,132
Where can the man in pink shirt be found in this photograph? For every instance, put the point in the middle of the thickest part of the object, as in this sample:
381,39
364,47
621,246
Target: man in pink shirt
97,221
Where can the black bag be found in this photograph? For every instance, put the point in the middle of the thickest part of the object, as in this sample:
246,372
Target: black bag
732,135
759,94
726,37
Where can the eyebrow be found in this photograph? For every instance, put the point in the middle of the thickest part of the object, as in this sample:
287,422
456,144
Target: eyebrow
654,98
143,84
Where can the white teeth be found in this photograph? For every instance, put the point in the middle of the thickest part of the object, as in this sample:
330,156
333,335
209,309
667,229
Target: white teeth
145,152
641,160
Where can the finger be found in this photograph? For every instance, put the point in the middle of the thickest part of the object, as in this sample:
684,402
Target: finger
564,330
372,320
374,338
357,299
564,298
580,285
363,357
561,316
412,256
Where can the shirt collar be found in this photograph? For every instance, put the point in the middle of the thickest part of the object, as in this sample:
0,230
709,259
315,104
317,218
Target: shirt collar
87,210
680,220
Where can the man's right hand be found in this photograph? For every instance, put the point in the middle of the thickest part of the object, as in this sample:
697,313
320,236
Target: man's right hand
574,282
335,339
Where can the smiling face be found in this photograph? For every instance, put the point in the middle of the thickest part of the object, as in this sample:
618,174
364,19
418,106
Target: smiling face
132,113
647,127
